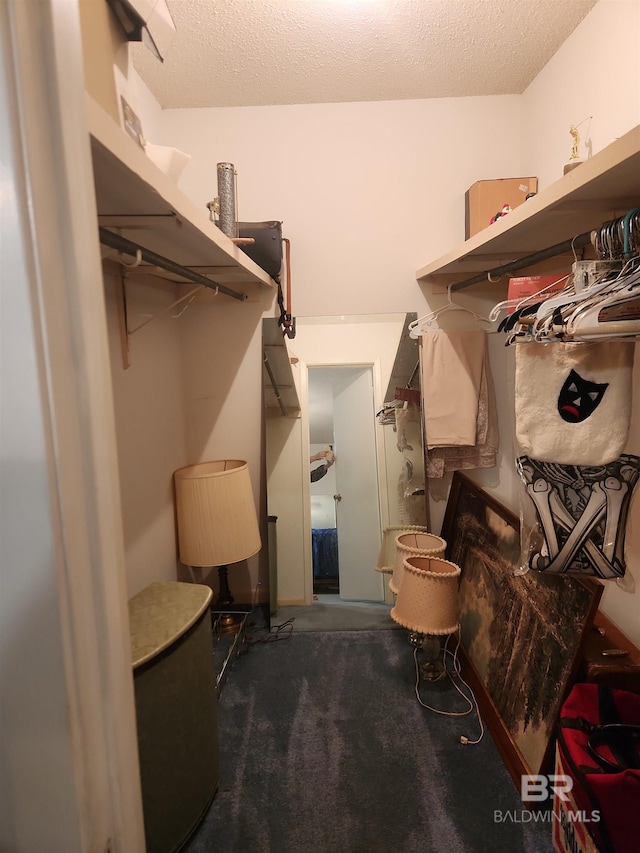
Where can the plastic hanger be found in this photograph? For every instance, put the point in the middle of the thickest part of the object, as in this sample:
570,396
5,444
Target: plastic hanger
607,307
588,321
518,324
417,327
534,298
550,312
521,302
546,319
577,316
629,223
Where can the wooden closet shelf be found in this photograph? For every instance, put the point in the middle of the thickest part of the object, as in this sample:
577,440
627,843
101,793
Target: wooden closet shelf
139,202
602,188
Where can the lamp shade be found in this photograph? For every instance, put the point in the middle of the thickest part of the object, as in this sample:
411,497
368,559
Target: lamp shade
414,544
217,521
387,555
428,599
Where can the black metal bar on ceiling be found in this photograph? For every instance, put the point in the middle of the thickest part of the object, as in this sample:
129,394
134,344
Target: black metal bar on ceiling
272,378
559,249
121,244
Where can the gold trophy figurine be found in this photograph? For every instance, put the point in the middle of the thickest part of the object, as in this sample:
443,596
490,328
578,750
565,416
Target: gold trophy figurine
574,159
573,130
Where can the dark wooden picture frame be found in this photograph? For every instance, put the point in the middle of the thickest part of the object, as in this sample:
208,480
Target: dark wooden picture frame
522,634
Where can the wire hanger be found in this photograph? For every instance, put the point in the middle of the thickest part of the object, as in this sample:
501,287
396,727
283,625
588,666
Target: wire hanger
422,324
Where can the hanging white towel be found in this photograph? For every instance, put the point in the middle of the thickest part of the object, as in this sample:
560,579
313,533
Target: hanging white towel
452,366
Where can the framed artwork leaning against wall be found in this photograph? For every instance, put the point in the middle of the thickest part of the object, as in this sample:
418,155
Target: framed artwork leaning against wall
522,634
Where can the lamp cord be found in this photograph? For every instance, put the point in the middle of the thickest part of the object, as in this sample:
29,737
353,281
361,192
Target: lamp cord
473,703
275,634
255,633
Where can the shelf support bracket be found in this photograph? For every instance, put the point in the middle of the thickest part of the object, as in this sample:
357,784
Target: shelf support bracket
123,318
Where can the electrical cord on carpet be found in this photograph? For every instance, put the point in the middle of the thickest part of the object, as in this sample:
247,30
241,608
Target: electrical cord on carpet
256,627
275,634
451,674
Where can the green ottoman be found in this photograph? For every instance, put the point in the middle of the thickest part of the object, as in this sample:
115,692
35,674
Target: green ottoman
176,709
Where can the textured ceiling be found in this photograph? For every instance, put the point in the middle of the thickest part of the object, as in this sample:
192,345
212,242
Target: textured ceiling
263,52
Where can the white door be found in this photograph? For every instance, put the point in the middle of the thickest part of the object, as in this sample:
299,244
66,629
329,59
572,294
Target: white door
357,504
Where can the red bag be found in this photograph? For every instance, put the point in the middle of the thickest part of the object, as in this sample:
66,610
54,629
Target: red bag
599,747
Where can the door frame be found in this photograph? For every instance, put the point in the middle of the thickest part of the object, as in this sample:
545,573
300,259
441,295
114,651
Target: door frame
69,768
381,463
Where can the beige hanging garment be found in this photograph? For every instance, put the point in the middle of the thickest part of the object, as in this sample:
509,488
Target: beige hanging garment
451,367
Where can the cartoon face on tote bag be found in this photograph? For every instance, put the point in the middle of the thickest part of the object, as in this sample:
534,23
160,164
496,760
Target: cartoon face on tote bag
579,398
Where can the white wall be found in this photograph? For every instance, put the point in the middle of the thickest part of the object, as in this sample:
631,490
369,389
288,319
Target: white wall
222,385
595,73
370,192
172,409
148,399
367,192
285,449
150,428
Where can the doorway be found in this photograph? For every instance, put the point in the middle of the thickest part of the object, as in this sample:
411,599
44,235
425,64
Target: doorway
378,342
344,501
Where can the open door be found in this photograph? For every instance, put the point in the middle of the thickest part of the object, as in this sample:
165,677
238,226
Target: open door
357,501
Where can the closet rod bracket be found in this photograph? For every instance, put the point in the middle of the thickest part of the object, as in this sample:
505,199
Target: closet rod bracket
121,244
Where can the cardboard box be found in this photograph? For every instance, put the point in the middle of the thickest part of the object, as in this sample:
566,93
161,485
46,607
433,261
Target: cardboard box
486,198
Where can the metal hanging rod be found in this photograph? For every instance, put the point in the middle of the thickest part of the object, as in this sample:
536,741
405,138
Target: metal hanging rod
559,249
274,384
121,244
413,375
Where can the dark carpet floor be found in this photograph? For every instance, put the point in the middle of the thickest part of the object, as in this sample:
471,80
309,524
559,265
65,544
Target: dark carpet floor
325,749
331,614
